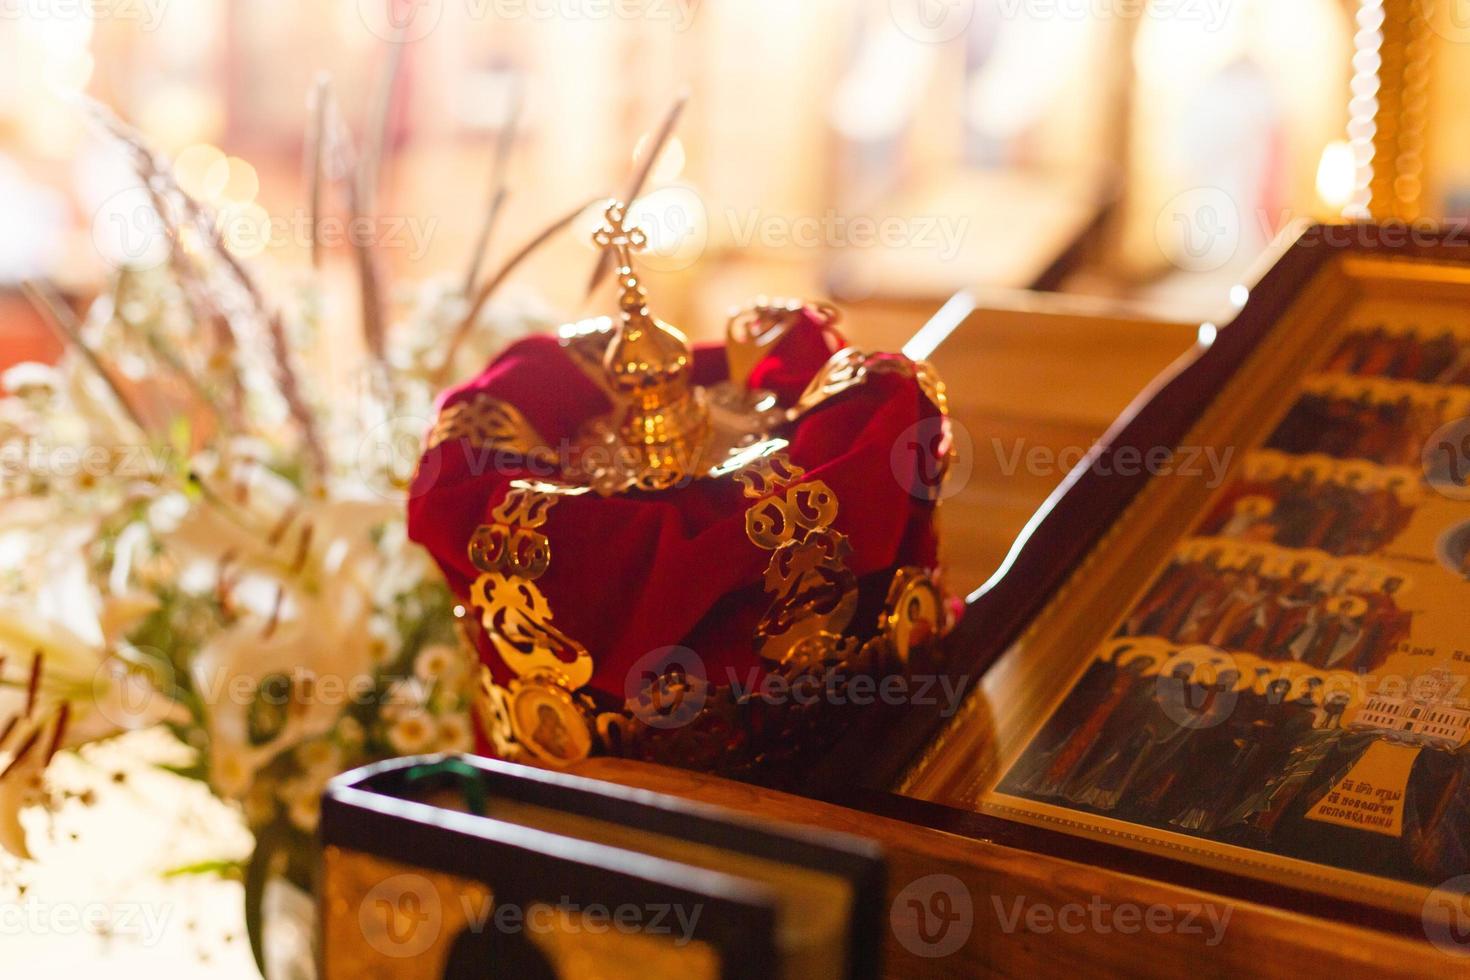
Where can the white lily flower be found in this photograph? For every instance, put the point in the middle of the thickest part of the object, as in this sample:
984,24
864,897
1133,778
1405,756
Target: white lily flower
105,697
121,613
74,687
303,629
22,782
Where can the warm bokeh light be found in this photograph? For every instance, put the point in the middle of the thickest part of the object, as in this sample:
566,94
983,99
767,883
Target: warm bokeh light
237,180
1337,174
676,222
181,114
201,170
1144,152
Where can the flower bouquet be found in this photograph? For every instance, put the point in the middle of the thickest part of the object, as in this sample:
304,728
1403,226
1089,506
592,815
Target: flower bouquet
196,533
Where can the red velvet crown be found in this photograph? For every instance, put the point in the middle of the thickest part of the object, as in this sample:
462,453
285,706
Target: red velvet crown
675,617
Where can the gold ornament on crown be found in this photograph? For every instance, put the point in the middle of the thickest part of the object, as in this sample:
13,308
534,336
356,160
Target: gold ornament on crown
658,433
662,432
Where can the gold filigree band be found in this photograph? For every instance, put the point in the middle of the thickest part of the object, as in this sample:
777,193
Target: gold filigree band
485,422
806,631
539,711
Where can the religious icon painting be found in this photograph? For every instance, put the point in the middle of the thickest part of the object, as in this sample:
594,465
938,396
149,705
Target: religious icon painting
1267,675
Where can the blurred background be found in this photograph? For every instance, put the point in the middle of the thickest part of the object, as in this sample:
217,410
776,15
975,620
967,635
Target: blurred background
883,152
1136,156
1099,177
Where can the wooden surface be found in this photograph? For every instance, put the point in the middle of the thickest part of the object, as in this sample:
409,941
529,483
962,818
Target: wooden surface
1054,379
1031,383
1255,941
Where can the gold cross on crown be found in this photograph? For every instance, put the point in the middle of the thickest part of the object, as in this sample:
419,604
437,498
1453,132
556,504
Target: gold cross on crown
616,234
624,241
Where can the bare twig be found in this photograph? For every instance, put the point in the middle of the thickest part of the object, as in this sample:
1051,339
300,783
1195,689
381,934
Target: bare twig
287,381
315,158
369,283
498,193
346,162
652,149
202,308
362,201
192,279
482,241
380,120
63,322
290,387
466,324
